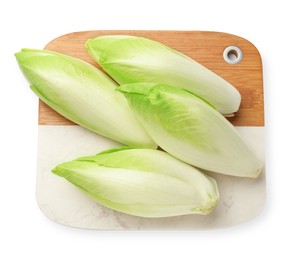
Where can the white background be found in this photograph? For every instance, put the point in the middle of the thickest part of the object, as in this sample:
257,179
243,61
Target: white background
275,27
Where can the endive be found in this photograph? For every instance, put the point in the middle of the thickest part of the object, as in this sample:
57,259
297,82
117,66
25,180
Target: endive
130,59
83,94
190,129
142,182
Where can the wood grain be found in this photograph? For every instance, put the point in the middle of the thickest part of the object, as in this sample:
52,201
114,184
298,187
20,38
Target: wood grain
204,47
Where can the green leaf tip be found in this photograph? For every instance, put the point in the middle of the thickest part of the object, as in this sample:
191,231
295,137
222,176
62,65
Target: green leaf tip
139,88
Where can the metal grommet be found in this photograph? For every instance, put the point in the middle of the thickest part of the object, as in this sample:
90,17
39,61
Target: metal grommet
232,54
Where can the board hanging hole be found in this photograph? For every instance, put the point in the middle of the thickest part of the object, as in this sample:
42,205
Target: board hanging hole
232,54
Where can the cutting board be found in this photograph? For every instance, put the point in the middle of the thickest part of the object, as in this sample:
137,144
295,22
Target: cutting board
61,140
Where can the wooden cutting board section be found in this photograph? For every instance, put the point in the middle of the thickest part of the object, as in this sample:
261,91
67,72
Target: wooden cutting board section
205,47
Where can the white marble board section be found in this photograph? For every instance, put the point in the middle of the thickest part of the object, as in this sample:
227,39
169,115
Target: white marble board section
241,198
